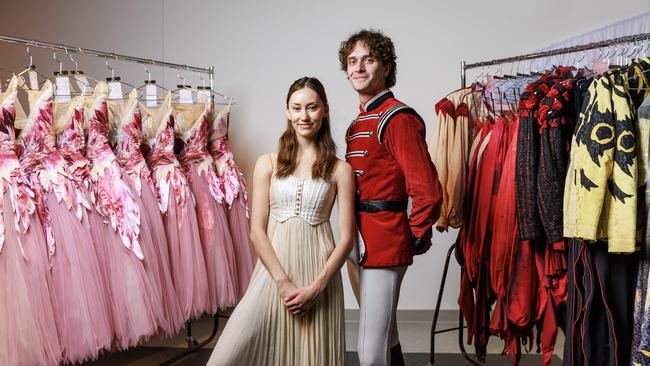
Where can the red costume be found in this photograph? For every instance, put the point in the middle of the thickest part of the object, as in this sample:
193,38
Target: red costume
387,149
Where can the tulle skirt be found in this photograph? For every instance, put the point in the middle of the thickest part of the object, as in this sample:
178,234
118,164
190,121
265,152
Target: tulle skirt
157,263
217,244
28,332
80,293
245,256
186,254
132,303
261,331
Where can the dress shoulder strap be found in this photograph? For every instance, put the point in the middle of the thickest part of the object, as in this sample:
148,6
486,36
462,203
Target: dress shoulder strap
273,160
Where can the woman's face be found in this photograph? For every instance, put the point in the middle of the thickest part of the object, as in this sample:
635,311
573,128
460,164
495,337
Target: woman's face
306,112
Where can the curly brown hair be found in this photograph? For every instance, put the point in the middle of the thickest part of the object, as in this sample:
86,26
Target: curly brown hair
381,47
326,148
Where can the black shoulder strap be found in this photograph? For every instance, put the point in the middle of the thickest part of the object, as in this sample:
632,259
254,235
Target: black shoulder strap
389,114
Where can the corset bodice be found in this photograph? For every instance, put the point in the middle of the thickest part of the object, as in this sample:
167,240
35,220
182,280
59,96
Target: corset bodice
309,199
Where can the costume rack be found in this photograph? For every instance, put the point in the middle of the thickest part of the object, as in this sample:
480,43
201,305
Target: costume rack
463,71
192,344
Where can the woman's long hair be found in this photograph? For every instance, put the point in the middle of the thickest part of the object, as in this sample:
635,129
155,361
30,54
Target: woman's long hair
325,147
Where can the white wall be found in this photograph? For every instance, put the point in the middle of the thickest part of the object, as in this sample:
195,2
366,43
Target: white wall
259,47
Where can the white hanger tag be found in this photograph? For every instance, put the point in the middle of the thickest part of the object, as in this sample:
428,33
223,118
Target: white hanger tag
62,88
33,80
185,96
115,90
83,84
151,95
203,95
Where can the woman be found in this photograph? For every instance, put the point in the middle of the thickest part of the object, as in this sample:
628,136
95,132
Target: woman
292,313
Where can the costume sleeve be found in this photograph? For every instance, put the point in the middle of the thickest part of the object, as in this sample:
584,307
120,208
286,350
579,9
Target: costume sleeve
405,140
457,168
528,224
438,150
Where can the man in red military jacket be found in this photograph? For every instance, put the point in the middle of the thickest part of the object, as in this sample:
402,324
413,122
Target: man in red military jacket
387,150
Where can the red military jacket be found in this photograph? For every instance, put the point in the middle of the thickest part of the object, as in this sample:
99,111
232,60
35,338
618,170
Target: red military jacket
387,149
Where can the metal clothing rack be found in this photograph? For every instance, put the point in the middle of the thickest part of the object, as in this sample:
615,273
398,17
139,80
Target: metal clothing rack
107,55
463,71
192,344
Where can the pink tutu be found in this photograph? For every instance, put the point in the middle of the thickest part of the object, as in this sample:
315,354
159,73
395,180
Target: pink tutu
235,197
125,122
191,127
185,249
157,249
217,244
136,304
176,203
83,319
124,272
79,291
244,252
28,335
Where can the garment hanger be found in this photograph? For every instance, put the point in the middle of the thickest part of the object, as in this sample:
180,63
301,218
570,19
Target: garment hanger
519,83
621,54
504,85
213,94
522,74
631,50
490,87
637,49
64,88
607,54
150,92
32,73
603,60
512,73
600,54
82,80
184,93
614,63
644,49
505,79
637,74
116,85
578,61
482,108
484,73
488,99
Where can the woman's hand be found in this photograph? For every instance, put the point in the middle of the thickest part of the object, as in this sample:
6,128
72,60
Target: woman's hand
302,299
285,289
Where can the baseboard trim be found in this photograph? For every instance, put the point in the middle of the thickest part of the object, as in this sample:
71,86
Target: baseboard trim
416,316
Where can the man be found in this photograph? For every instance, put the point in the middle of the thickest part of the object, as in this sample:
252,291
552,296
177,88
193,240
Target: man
387,150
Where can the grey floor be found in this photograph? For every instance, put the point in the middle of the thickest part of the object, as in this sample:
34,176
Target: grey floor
414,335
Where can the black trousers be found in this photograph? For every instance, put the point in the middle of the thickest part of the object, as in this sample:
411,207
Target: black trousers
600,305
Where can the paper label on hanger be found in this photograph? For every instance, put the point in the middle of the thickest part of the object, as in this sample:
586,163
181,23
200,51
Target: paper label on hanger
185,96
115,90
62,89
203,95
151,95
83,84
33,80
600,66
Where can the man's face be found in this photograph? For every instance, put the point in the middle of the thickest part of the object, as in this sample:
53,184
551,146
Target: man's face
365,72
